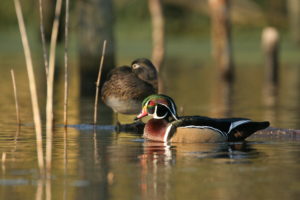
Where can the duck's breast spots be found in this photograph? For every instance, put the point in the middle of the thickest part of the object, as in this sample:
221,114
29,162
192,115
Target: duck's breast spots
155,129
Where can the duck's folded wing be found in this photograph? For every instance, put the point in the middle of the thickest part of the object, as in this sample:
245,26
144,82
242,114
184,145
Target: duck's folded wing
234,128
224,125
243,131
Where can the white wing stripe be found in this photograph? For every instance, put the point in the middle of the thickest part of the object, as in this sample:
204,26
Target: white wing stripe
237,123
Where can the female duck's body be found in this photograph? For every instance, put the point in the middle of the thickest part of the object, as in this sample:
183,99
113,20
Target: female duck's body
126,87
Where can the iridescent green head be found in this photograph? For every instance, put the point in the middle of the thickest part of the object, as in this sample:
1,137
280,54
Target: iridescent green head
158,106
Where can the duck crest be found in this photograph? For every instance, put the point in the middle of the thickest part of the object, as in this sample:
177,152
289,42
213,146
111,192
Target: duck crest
156,99
155,129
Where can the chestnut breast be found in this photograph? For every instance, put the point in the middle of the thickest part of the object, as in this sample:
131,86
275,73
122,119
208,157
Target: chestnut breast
155,129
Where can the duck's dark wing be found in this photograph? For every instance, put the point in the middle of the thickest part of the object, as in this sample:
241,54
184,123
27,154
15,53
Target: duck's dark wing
234,128
245,130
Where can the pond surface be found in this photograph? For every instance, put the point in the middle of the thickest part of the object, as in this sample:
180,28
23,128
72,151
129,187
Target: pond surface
109,165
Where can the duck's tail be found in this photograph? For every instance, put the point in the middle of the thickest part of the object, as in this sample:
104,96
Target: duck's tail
245,130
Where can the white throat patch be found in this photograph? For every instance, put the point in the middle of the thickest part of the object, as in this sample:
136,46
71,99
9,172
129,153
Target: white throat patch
167,133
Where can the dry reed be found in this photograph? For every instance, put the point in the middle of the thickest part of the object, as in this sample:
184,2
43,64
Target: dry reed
15,96
66,64
32,86
98,83
45,53
50,80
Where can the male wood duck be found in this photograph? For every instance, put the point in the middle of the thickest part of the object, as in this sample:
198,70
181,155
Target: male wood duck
126,87
166,125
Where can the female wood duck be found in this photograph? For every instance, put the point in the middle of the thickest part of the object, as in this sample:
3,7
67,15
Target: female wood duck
166,126
126,87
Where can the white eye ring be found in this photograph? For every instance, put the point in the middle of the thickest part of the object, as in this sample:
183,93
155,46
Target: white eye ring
135,66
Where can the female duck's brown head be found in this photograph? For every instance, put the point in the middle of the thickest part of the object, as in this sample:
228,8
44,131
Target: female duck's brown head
145,70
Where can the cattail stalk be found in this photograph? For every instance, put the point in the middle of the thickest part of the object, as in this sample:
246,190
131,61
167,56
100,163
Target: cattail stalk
98,83
15,96
32,86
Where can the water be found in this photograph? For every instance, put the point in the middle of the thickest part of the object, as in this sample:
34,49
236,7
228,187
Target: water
123,166
109,165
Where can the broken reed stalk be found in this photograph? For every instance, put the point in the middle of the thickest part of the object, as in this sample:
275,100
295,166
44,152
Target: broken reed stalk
98,83
32,86
271,50
50,81
42,30
66,65
15,96
270,46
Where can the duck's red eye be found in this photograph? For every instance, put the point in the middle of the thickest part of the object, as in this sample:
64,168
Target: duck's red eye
151,103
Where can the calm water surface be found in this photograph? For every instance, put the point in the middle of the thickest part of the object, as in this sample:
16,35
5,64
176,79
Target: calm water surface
109,165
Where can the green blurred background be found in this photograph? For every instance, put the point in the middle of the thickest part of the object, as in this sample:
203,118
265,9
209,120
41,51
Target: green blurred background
187,28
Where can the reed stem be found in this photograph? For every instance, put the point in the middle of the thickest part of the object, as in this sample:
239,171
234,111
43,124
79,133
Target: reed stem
98,82
50,80
42,30
32,86
15,96
66,64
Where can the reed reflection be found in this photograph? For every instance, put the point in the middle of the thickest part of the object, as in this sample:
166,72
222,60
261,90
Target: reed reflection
94,160
155,162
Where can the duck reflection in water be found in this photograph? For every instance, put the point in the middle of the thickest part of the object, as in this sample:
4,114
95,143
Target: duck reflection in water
159,160
156,162
165,154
